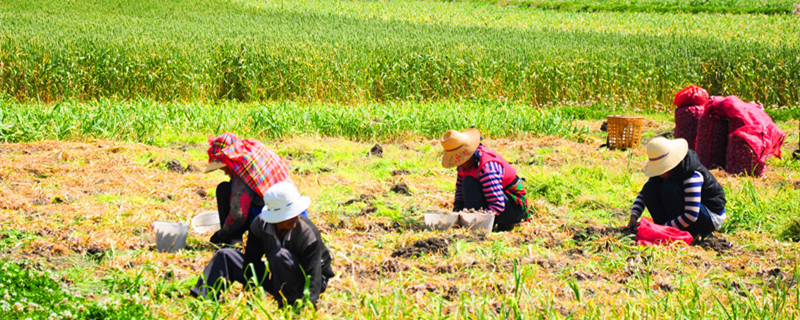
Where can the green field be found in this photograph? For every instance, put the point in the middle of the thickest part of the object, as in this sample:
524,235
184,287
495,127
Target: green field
348,52
99,100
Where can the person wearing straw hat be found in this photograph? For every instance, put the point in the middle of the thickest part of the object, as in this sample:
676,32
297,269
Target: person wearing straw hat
485,180
681,192
296,255
252,169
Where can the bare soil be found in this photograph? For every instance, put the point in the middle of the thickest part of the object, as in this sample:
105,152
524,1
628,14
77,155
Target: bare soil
401,188
376,151
423,247
714,242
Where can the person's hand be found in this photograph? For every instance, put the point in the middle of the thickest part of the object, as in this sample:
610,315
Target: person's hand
216,238
632,222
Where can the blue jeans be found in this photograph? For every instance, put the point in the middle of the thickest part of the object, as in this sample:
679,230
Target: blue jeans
664,200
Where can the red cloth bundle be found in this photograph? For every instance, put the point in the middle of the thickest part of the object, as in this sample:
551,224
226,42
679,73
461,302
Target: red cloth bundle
649,233
689,103
691,96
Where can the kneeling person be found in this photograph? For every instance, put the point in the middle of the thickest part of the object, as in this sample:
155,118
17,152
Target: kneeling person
252,169
681,192
485,180
292,245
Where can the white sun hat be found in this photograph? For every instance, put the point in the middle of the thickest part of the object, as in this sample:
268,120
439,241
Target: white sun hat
664,154
283,201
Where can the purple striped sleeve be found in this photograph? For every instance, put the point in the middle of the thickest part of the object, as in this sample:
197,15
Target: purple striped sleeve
691,202
491,178
458,203
638,206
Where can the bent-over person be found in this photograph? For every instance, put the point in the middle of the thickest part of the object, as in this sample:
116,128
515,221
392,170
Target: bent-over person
291,244
681,192
485,180
252,169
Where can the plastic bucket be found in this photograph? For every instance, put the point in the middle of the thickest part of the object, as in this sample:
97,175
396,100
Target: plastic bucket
477,222
440,221
206,222
170,236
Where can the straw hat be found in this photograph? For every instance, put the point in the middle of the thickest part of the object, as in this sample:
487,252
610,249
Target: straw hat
282,202
213,165
664,154
459,146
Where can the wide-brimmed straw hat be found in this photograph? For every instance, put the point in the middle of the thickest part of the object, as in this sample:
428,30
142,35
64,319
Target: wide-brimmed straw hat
283,201
664,154
213,165
459,146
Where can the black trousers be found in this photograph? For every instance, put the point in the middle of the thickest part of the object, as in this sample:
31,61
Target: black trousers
472,191
284,281
664,201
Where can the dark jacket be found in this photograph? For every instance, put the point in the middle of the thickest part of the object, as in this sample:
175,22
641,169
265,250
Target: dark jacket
243,205
305,244
712,194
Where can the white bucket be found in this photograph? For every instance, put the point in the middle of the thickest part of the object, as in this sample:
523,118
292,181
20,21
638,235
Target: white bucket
170,236
440,221
477,222
206,222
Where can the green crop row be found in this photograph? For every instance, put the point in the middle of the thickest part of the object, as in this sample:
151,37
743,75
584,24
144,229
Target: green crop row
692,6
360,52
157,123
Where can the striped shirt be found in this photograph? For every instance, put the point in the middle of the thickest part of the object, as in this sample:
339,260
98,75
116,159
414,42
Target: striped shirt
691,203
491,179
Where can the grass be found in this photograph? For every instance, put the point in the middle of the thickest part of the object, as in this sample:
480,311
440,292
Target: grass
28,293
360,52
161,123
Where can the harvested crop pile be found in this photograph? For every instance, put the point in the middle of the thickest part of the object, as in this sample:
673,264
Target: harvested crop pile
686,119
423,247
690,106
741,158
712,141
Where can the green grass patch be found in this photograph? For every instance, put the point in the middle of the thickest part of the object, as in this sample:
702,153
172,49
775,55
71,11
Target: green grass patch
28,293
13,238
160,123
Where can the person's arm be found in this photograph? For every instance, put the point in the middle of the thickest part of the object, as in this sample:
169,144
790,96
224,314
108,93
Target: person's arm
312,265
240,206
691,202
491,178
458,202
636,210
253,251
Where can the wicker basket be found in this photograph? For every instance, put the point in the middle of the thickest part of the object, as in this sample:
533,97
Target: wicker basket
624,131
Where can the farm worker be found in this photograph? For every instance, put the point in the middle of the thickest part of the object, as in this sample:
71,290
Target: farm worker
293,248
681,192
485,180
252,169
